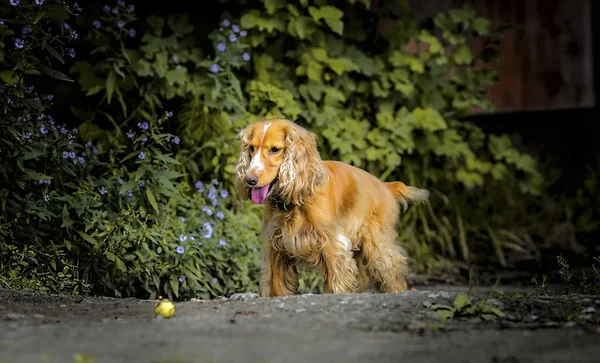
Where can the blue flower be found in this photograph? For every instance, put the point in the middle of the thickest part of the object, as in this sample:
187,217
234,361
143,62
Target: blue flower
77,8
222,242
169,114
215,181
14,2
27,135
181,278
39,2
143,125
235,28
254,250
71,52
144,139
182,219
81,160
214,280
214,68
97,24
200,186
207,211
115,11
120,23
212,192
132,32
73,35
120,181
106,8
141,184
221,46
220,215
130,134
46,198
209,230
224,193
225,23
131,8
141,155
191,238
121,3
19,43
103,191
180,250
176,140
72,155
243,33
175,59
182,237
43,129
26,30
232,38
246,57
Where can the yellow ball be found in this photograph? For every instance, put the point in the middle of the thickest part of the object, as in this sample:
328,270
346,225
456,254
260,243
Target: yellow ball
164,308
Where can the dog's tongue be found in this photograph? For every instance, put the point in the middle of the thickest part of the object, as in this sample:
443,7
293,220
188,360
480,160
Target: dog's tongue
260,194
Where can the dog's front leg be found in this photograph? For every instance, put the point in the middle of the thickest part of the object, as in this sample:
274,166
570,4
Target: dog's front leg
341,268
279,274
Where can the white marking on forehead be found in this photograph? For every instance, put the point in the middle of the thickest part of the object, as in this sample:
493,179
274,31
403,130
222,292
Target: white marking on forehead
256,162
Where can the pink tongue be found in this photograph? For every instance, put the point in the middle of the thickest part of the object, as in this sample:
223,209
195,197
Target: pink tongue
260,194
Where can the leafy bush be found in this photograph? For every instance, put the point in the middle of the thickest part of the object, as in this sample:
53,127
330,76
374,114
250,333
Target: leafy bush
114,206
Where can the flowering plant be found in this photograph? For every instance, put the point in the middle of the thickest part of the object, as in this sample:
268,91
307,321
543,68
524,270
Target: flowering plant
112,210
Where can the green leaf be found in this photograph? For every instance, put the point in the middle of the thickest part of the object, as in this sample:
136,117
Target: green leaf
481,26
55,74
325,12
34,104
92,91
461,301
156,23
174,282
180,24
444,314
273,5
120,265
87,238
336,25
427,119
54,53
152,200
109,256
462,55
39,16
491,55
110,85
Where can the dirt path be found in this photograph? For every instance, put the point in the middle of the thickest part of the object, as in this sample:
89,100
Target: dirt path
306,328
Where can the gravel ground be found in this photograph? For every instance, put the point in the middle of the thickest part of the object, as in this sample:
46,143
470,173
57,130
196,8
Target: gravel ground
306,328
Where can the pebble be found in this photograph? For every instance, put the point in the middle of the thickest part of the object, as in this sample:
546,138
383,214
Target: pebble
15,316
243,296
300,310
589,310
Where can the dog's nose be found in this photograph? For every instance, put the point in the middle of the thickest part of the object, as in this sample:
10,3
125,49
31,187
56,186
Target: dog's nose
252,180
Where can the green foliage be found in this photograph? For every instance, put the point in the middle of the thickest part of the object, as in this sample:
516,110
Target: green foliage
463,306
109,211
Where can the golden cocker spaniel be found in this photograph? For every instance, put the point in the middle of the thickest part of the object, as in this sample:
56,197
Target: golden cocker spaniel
327,214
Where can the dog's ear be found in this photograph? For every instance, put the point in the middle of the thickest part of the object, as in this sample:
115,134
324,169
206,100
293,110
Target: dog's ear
243,162
302,169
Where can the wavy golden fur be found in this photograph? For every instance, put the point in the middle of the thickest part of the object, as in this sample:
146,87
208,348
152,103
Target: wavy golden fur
327,214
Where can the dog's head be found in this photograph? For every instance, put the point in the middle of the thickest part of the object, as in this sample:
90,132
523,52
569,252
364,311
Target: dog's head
278,157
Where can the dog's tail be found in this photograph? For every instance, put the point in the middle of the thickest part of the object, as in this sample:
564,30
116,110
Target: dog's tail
405,194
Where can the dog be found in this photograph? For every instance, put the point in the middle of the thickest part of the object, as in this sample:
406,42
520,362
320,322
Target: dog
327,214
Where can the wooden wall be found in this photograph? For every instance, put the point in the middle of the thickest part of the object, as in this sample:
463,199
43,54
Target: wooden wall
547,60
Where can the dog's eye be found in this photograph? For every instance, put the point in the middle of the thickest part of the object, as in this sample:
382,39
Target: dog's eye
275,149
251,148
